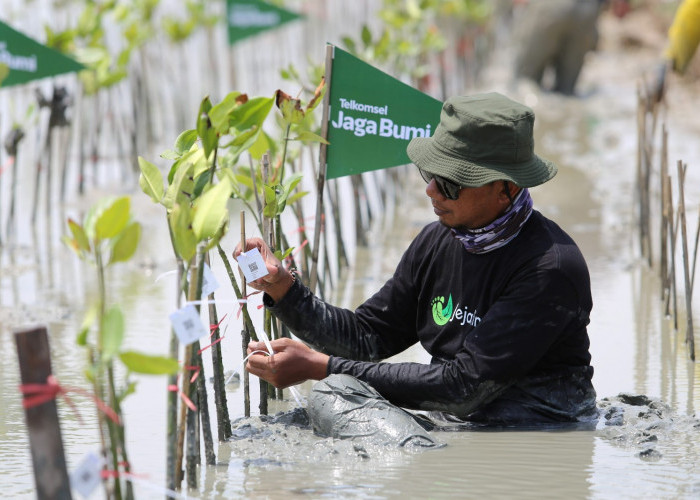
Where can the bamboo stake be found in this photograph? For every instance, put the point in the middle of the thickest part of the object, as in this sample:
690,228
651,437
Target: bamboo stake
222,416
182,419
268,237
672,236
695,252
245,333
313,279
665,214
171,420
689,335
203,413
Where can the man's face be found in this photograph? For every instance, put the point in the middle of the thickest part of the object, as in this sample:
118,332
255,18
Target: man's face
475,207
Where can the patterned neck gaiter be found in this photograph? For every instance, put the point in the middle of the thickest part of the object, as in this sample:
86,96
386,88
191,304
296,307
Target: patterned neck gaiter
500,231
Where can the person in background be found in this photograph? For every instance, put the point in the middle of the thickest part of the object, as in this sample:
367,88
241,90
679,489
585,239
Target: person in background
495,292
683,40
557,35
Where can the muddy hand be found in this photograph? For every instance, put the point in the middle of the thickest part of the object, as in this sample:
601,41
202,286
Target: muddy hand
292,363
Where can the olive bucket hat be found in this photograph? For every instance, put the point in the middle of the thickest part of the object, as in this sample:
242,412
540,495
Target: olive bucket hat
480,139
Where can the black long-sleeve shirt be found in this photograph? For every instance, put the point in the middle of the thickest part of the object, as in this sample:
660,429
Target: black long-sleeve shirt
506,330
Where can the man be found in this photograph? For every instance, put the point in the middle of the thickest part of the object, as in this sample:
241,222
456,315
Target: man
498,294
557,35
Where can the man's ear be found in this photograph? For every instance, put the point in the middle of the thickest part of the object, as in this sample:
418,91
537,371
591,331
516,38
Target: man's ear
508,192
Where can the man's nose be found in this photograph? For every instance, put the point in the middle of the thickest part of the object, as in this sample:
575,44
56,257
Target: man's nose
432,190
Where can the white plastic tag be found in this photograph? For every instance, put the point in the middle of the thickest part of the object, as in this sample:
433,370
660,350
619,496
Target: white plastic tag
187,324
252,265
209,283
87,476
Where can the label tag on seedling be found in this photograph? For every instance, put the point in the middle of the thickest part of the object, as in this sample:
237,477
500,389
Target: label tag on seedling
187,324
88,475
209,283
252,265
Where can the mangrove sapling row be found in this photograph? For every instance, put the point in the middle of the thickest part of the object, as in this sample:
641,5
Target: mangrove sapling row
195,200
108,236
672,219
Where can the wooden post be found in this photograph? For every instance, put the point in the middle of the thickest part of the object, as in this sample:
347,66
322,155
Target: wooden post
50,473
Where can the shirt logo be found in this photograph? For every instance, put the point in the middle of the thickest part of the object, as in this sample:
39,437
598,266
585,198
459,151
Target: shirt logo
441,312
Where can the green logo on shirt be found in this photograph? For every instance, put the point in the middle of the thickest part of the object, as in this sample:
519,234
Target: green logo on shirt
441,313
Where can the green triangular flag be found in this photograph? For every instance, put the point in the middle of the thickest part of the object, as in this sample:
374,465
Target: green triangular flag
29,60
372,117
249,17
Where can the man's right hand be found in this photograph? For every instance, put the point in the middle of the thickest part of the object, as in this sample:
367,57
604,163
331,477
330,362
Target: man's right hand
293,362
279,280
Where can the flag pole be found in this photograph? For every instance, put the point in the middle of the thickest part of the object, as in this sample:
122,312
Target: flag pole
321,181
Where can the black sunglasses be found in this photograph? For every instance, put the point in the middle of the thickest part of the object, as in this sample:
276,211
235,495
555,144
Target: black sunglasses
447,188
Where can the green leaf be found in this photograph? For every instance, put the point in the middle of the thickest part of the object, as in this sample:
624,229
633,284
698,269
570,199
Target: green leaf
183,237
72,244
210,210
291,182
180,190
251,113
296,196
290,108
88,321
270,211
240,143
185,158
149,365
201,164
262,145
205,130
219,114
125,244
4,71
287,253
366,36
95,212
244,180
151,180
308,136
206,133
112,333
246,138
114,219
185,141
270,193
79,236
349,44
130,389
201,183
169,154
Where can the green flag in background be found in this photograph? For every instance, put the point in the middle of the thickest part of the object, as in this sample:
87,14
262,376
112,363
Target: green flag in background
249,17
29,60
372,117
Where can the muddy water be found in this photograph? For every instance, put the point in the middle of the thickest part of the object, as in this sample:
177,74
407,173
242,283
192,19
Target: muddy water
648,449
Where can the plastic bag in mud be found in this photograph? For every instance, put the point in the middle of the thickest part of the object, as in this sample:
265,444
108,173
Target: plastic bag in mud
343,407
